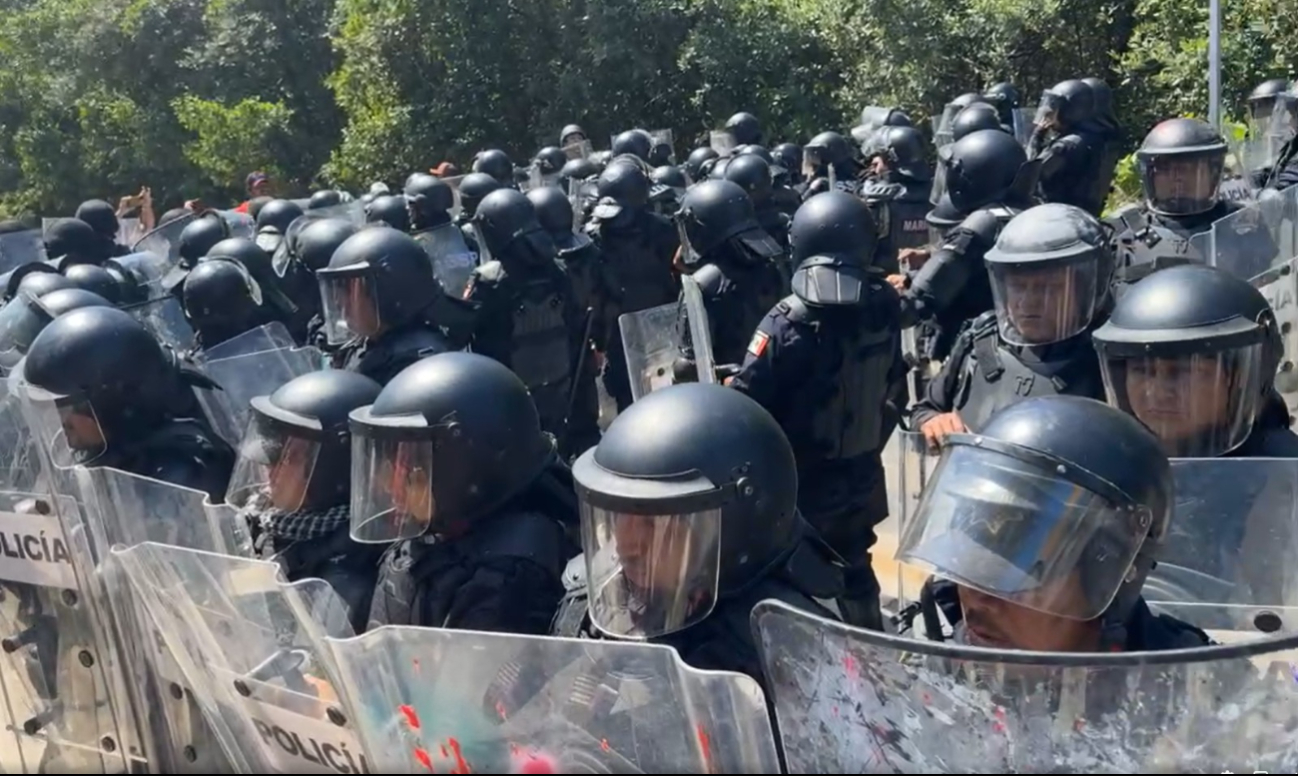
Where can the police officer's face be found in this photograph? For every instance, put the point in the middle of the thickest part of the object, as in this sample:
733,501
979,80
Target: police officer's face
291,474
359,310
1182,179
411,488
82,431
1042,302
1179,398
996,623
652,550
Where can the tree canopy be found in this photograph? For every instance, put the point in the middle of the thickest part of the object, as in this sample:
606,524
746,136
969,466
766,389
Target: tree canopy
99,97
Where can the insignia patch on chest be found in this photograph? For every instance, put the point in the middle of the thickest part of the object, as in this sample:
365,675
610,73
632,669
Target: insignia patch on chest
758,346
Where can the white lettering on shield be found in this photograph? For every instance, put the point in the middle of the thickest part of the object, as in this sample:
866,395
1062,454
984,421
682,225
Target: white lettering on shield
300,744
33,550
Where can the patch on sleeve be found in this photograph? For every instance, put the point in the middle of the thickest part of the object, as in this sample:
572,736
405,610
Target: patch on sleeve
758,346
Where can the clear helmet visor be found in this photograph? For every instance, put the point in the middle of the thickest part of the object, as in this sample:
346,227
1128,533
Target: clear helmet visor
1181,184
273,463
1022,534
392,487
650,575
1200,405
350,305
1040,303
1048,109
66,426
1283,123
815,162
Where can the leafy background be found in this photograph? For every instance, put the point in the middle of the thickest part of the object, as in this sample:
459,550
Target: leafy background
98,97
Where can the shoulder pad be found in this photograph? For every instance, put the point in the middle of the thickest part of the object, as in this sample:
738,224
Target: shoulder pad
793,308
574,574
984,325
423,339
491,273
876,190
709,278
982,223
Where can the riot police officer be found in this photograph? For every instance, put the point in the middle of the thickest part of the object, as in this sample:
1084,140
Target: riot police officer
292,484
429,201
95,279
988,181
547,164
690,518
473,187
1050,274
898,193
827,363
102,218
1284,173
745,129
451,463
196,239
1004,98
1192,352
1104,126
389,209
324,199
222,301
667,186
273,221
980,115
576,171
739,267
381,304
1069,151
696,164
1180,165
1050,466
752,173
571,134
529,319
72,241
788,157
495,163
107,394
27,315
270,292
827,163
633,142
1261,109
640,246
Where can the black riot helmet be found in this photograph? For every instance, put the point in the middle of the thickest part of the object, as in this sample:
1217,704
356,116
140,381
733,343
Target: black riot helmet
633,142
660,152
553,209
1050,272
571,134
789,156
756,150
1261,101
1005,99
389,209
74,241
745,129
101,216
473,187
689,498
697,158
1191,351
27,315
578,170
903,150
832,241
377,280
508,228
716,213
670,176
297,449
256,204
260,266
984,168
317,242
1103,103
752,174
38,280
1060,505
278,214
1181,162
448,441
826,150
97,378
323,199
550,159
1067,104
623,189
495,163
200,235
95,279
978,116
222,300
429,199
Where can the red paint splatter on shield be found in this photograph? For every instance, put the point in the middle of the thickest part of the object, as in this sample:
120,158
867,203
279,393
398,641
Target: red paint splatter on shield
421,755
461,766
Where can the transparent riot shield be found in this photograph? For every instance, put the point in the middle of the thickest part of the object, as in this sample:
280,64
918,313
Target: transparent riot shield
1023,125
245,375
352,212
239,224
907,464
664,137
19,248
700,330
272,336
119,508
854,701
649,339
873,118
1254,241
20,466
579,150
251,648
943,134
449,254
1227,563
722,142
129,230
165,318
442,701
165,239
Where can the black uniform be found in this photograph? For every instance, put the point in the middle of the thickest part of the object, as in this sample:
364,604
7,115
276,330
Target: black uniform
734,525
302,523
482,533
110,369
1050,270
900,197
103,219
1071,155
473,187
827,363
639,247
